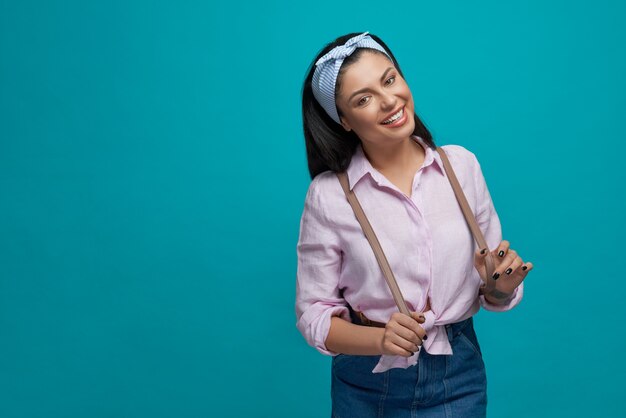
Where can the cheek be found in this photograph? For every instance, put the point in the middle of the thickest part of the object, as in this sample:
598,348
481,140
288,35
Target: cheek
404,88
364,117
369,118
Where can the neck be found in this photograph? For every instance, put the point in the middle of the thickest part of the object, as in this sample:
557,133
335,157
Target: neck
394,158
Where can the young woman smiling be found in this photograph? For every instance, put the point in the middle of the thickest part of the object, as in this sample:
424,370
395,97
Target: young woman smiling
359,118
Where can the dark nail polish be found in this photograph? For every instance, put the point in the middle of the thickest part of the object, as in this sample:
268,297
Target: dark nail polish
509,270
425,337
483,251
496,275
524,268
501,253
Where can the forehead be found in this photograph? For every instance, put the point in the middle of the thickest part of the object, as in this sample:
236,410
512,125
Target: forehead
365,72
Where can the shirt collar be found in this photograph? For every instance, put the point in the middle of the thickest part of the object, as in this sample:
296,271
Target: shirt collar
360,165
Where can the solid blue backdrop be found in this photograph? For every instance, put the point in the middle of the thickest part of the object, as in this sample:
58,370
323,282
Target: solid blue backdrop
153,174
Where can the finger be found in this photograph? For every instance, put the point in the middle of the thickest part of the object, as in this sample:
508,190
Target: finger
510,256
399,331
526,268
513,267
520,274
406,321
399,351
421,332
502,249
479,257
407,345
480,253
392,348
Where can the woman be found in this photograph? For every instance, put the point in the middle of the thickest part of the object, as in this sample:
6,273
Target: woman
359,117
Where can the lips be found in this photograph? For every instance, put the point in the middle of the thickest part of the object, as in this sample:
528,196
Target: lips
391,114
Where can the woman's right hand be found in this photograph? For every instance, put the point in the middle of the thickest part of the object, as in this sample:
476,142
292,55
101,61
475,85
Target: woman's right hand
403,335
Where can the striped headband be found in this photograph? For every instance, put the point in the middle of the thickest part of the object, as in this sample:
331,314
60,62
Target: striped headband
327,69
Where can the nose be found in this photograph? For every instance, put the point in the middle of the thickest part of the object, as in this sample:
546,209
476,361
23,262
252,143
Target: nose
388,101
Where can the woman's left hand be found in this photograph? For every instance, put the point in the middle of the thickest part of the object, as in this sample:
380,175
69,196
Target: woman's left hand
510,270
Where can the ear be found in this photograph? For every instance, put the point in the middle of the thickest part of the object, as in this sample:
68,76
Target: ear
345,124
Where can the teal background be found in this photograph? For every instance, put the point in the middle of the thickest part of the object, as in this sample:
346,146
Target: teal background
153,174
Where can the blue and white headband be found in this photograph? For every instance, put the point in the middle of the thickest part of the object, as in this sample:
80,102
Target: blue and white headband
327,69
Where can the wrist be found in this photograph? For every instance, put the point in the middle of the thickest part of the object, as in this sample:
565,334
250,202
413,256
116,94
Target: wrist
496,297
380,339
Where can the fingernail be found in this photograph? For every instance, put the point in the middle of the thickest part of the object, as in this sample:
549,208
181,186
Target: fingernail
483,251
496,275
509,270
524,268
501,253
425,337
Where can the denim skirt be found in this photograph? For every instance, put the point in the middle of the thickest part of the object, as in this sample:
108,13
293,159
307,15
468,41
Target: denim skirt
437,386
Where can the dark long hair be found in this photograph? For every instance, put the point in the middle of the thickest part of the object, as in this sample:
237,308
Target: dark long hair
328,145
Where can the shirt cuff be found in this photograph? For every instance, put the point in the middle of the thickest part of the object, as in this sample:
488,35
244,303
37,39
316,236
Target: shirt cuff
320,327
513,301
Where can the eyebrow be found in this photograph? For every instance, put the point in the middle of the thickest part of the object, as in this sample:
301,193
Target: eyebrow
366,88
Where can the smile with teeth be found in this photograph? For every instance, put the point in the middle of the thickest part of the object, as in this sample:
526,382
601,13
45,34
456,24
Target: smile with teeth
395,117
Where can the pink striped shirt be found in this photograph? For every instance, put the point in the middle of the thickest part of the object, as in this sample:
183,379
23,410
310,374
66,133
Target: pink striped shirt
426,240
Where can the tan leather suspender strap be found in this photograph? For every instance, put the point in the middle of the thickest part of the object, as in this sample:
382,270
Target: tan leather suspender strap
378,251
373,240
471,221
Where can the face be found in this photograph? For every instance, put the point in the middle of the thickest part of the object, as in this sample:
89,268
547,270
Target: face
371,97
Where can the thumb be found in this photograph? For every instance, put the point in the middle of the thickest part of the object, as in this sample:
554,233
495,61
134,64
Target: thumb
480,255
419,317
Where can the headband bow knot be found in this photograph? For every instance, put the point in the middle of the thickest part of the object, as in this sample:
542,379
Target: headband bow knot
342,51
327,69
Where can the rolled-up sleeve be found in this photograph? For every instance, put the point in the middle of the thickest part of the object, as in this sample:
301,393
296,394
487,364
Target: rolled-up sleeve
489,224
318,297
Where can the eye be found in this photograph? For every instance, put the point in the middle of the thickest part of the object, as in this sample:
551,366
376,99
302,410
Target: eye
362,101
393,77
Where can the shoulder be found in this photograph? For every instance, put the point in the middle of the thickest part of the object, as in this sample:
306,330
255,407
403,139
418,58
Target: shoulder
325,195
460,154
461,158
325,186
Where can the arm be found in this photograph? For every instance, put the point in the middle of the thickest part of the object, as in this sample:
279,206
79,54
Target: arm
348,338
322,314
402,336
489,223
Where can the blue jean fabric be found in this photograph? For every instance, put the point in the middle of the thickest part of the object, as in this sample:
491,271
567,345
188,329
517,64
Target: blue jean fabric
437,386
